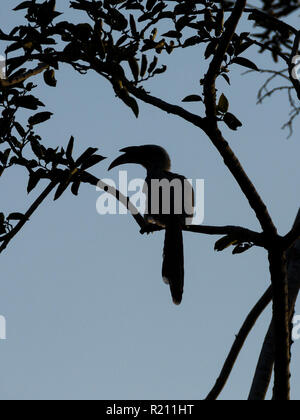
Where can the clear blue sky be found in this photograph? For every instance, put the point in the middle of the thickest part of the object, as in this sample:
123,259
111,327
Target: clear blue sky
88,316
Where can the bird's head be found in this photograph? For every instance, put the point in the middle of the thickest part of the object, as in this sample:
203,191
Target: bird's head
149,156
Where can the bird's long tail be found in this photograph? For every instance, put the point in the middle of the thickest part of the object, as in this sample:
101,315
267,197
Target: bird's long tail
173,260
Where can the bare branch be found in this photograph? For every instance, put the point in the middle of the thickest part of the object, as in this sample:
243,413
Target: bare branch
265,364
12,82
238,343
239,233
141,94
295,49
294,235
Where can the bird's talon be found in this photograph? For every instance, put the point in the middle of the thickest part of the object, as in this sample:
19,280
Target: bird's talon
146,229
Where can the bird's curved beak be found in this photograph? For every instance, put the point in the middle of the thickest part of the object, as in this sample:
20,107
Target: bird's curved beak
127,157
121,160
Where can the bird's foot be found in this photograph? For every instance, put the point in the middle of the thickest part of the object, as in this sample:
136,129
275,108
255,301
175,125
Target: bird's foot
150,228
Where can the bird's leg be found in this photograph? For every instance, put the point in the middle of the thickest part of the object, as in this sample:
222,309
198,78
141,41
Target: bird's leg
150,226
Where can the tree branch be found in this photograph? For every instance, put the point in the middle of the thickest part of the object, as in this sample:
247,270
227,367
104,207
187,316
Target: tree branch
265,363
5,83
238,232
214,133
295,50
239,342
294,235
92,180
8,237
215,65
276,253
141,94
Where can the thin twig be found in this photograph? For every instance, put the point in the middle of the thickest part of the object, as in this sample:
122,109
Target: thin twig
7,238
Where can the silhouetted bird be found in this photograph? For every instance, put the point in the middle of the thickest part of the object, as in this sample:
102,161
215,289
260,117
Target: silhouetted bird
169,202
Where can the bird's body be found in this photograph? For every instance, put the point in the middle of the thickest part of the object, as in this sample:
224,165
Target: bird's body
177,186
169,204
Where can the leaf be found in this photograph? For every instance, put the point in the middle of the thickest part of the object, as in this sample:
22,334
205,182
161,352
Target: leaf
4,156
49,78
133,26
193,40
170,47
61,189
158,8
83,31
192,98
133,64
144,65
160,45
223,104
13,47
183,21
89,152
116,20
16,216
37,149
34,179
39,118
153,34
115,2
121,40
14,63
225,242
72,51
2,226
150,4
245,63
69,150
145,16
160,70
173,34
226,77
134,6
211,48
75,187
153,64
129,101
208,20
23,5
148,45
19,129
231,121
28,102
92,161
241,248
244,47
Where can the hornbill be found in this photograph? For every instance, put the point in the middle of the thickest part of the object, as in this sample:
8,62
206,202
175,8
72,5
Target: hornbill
169,205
